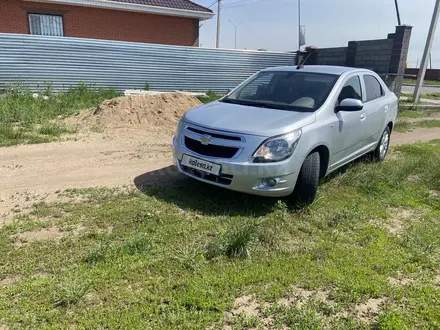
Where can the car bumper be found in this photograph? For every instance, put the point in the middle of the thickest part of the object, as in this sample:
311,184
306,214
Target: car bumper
244,177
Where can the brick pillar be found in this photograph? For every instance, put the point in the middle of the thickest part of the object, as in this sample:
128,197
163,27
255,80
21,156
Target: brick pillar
312,55
351,53
399,55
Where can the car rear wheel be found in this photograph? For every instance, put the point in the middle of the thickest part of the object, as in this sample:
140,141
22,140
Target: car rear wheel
381,150
308,180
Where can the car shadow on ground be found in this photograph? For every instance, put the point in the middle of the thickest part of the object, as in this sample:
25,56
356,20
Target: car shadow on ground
169,185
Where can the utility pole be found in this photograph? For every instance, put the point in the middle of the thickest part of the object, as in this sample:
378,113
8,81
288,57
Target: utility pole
397,12
428,46
236,26
219,3
299,25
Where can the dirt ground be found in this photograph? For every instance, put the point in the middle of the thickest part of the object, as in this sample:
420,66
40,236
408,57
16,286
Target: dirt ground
32,173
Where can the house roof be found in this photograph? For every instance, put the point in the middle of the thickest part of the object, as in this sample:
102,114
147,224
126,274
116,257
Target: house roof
182,8
177,4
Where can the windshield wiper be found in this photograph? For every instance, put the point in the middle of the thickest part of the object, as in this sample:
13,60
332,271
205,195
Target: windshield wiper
253,104
227,100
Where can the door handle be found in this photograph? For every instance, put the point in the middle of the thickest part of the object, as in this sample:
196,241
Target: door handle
363,116
386,108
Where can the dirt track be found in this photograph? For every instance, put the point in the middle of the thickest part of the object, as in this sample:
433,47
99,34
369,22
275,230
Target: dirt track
32,173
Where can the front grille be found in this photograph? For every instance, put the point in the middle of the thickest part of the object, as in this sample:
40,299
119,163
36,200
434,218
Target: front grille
224,179
214,135
210,150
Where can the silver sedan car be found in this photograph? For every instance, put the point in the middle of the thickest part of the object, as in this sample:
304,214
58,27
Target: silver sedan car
284,128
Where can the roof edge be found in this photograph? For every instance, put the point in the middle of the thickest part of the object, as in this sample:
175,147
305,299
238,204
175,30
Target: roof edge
108,4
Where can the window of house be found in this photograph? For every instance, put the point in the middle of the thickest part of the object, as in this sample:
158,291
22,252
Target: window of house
351,90
373,88
47,25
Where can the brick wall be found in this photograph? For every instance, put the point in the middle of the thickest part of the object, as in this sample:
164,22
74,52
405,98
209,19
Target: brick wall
97,23
374,54
387,57
370,54
332,56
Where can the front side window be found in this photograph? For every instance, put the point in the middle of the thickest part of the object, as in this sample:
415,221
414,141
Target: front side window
285,90
351,90
46,25
373,88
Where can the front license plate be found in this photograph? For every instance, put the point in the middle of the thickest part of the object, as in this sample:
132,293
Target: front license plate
201,165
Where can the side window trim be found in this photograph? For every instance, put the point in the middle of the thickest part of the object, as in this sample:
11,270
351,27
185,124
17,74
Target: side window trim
383,94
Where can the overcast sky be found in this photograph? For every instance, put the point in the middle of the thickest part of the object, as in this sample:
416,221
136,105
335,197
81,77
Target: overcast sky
272,24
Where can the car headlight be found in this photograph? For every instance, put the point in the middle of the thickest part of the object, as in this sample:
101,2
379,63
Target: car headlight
278,148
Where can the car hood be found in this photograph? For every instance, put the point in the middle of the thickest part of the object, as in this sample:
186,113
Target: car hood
247,119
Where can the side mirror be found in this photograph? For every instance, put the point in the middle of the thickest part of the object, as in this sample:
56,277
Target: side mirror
349,105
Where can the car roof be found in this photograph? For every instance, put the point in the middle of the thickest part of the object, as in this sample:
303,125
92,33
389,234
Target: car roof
329,69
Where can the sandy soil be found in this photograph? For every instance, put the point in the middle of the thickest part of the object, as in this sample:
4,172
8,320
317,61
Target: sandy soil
32,173
417,135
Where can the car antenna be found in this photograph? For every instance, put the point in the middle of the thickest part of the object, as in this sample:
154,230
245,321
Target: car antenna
300,66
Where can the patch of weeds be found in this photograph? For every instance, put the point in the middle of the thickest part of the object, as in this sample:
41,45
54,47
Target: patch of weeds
25,119
25,223
190,257
99,253
428,123
302,319
412,114
138,244
108,250
432,96
390,321
56,130
403,126
211,97
97,129
237,242
69,291
248,322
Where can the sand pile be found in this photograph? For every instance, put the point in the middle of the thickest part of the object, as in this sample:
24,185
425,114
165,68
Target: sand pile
158,112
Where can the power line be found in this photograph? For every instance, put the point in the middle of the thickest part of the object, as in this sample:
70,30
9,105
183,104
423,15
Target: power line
241,4
209,7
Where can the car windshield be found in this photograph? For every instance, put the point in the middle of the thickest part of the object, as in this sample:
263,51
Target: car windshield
285,90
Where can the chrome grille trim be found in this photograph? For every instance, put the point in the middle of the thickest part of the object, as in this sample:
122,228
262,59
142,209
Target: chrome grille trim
216,141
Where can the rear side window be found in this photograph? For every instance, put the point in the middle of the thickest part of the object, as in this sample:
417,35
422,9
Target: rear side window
351,90
373,88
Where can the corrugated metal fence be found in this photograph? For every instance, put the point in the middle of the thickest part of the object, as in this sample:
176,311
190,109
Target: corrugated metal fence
33,60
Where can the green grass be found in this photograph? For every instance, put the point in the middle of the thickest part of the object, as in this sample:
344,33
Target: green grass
426,82
432,96
418,112
177,255
405,126
25,119
412,114
211,97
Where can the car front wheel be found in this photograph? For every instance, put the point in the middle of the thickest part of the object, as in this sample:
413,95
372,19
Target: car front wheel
381,150
308,179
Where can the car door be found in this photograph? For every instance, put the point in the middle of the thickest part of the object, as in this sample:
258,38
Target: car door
347,127
375,107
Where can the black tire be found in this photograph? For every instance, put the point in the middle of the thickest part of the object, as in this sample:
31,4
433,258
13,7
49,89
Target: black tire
381,150
308,180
